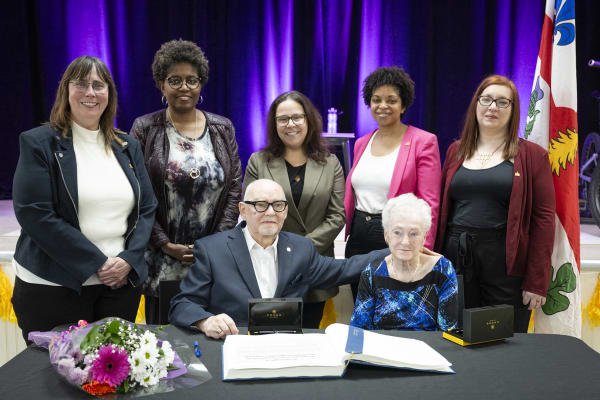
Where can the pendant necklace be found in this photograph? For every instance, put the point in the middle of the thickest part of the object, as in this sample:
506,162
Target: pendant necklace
412,277
194,172
484,158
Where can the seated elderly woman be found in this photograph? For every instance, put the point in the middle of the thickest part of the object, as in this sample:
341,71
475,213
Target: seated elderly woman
413,288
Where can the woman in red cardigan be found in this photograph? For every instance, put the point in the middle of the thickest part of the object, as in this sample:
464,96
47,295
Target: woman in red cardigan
497,209
392,160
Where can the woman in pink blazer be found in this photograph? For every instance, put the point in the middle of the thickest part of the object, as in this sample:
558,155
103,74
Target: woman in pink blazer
393,159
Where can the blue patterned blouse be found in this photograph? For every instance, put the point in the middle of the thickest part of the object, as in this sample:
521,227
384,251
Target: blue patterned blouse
427,304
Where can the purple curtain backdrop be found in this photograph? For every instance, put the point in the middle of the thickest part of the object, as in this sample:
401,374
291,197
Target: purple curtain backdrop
258,49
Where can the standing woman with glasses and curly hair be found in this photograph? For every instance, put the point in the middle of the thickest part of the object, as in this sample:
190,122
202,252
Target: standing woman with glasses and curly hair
311,177
394,159
192,158
85,204
497,209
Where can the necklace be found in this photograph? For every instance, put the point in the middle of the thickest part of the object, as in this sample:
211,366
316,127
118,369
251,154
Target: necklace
194,172
412,277
484,158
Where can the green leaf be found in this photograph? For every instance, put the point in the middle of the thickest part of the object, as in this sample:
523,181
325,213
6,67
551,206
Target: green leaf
532,101
114,327
566,282
90,339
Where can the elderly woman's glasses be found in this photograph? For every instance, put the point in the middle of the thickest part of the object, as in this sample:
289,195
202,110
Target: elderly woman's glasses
262,206
283,120
487,101
82,85
176,82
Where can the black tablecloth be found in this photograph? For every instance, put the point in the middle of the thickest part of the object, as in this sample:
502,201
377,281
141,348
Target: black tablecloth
524,367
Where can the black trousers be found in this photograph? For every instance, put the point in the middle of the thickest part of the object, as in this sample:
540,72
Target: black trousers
44,307
366,235
480,256
312,313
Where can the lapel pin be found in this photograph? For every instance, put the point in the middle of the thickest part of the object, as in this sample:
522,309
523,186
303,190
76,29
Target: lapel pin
289,249
517,173
130,166
407,144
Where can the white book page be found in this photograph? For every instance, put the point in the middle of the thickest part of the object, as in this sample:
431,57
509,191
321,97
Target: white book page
279,350
391,350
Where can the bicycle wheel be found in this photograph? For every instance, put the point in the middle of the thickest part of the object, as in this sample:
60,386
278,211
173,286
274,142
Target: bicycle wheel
591,146
593,196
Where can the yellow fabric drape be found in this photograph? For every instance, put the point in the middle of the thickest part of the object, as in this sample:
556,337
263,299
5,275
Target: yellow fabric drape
6,289
591,313
329,315
140,318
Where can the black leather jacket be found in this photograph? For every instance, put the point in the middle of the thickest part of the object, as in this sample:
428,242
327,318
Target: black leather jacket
51,244
150,130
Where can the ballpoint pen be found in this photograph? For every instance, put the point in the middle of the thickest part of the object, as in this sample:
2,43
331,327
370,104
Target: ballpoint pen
197,349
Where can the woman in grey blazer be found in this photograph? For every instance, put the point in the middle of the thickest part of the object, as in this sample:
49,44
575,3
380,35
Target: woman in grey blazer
312,179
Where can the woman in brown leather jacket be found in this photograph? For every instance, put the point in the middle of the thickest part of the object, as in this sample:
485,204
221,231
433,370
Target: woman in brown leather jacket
193,163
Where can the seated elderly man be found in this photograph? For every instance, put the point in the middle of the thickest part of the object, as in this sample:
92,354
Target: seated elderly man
413,288
255,260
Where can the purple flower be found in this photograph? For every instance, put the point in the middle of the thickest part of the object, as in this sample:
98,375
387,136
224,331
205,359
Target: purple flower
111,366
66,367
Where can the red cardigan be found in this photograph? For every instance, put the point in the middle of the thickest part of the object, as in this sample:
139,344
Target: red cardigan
531,215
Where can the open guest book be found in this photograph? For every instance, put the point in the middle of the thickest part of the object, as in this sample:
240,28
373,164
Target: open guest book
283,355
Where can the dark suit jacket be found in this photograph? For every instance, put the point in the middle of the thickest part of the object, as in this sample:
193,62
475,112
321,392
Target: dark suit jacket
222,279
320,212
51,244
531,213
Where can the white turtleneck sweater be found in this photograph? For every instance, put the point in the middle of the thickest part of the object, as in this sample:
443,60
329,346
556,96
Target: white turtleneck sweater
105,199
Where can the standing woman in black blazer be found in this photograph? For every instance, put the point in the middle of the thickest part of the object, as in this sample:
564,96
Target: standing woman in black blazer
311,177
85,205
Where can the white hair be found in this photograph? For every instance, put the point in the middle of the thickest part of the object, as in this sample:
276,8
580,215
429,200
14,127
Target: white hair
406,205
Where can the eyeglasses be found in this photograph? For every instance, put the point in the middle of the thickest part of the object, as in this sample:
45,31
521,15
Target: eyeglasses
283,120
262,206
487,101
82,85
176,82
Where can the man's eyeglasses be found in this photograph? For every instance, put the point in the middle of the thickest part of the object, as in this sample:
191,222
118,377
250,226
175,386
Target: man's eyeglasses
82,85
283,120
487,101
262,206
176,82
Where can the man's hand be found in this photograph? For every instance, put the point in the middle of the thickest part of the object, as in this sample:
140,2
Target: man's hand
534,300
218,326
114,272
183,253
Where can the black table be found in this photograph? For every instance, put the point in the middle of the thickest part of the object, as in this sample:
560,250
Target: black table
524,367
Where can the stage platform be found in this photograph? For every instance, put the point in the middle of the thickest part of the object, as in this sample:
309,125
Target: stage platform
11,342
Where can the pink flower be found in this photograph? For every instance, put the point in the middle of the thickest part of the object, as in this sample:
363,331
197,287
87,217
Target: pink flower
111,366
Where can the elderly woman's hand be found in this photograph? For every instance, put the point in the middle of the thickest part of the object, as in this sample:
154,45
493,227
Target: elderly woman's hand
534,300
114,272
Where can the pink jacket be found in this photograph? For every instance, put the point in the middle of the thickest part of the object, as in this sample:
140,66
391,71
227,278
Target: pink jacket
418,170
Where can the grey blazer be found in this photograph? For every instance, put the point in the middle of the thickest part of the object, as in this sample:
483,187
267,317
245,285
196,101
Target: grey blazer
320,213
222,278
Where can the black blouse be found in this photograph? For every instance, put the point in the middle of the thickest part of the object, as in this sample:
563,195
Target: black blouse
480,197
296,175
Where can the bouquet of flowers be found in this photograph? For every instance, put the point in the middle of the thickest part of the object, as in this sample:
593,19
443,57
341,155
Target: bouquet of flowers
110,356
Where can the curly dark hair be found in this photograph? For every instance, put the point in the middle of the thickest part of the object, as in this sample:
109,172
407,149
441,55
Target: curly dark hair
314,146
179,51
392,76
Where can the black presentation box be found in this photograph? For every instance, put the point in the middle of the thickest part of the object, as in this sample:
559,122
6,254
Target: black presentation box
283,315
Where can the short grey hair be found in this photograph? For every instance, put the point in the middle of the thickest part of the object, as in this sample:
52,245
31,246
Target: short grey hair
405,205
